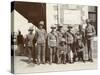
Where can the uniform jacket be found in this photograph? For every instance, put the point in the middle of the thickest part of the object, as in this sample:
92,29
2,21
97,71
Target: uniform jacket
40,36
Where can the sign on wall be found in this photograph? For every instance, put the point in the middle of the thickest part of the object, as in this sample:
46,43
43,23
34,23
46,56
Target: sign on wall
72,17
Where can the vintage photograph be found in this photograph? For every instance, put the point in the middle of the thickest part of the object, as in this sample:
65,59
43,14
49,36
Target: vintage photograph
53,37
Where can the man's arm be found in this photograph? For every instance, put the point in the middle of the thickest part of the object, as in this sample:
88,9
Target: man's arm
93,29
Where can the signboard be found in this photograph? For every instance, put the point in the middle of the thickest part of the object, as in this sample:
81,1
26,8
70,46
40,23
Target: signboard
72,17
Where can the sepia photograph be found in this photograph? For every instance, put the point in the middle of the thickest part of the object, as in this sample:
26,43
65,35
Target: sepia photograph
47,37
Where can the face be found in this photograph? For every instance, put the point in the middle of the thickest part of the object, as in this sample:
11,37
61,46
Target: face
31,32
87,21
80,27
19,32
41,26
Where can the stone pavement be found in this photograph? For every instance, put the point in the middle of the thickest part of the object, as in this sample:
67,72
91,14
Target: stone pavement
21,66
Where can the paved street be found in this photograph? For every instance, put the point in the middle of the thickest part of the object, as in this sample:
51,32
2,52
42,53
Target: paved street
21,66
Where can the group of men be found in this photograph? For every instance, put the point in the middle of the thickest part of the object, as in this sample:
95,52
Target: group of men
62,47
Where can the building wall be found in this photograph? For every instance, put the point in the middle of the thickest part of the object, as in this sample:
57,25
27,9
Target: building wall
75,15
20,23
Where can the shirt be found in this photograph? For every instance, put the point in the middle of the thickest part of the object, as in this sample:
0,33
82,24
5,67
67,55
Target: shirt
40,36
52,39
69,37
30,38
89,31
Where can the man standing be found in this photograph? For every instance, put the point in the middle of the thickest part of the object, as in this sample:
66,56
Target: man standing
52,43
89,33
69,37
80,43
40,37
59,38
20,43
30,37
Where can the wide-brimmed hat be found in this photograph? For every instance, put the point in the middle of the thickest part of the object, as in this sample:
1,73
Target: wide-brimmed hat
60,26
41,23
69,27
53,27
87,20
30,29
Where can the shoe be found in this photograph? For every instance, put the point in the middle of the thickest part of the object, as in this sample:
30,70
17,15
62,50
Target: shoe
91,60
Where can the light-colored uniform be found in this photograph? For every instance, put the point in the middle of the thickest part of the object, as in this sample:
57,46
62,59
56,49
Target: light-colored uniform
30,45
69,40
89,33
52,44
40,37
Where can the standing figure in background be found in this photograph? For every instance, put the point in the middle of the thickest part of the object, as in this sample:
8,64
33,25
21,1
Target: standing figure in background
69,37
52,44
89,33
30,37
80,43
40,37
20,43
59,38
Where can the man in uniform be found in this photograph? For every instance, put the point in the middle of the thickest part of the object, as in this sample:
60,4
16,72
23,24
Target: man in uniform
29,38
52,43
20,43
69,37
59,38
89,33
80,43
40,37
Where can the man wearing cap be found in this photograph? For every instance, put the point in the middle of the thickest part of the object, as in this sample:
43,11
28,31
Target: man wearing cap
89,33
20,43
52,43
29,38
80,43
69,37
62,51
59,37
40,37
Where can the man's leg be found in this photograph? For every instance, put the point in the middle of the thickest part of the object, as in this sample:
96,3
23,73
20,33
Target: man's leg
51,51
64,58
33,54
54,54
58,56
43,54
29,54
91,51
38,53
88,44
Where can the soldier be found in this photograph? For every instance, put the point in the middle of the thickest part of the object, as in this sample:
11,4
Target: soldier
59,37
52,43
89,33
20,43
40,37
69,37
62,51
80,43
30,46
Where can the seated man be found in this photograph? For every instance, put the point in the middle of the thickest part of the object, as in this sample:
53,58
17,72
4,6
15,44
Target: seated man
62,52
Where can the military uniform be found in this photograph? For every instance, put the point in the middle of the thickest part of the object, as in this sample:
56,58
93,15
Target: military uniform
20,43
30,46
62,51
59,38
80,45
89,33
52,44
69,37
40,37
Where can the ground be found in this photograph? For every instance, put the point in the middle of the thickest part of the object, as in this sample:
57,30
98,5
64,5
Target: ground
21,65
